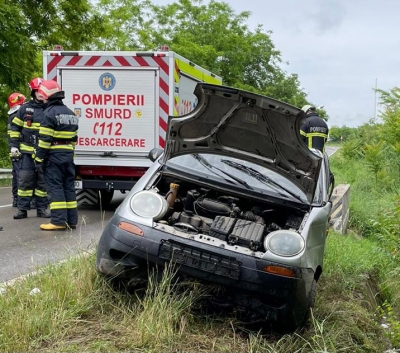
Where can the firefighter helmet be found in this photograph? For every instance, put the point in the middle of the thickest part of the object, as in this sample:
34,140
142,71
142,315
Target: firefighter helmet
47,88
35,83
15,99
308,107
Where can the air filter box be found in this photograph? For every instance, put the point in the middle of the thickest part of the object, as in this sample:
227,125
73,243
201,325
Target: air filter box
222,227
247,233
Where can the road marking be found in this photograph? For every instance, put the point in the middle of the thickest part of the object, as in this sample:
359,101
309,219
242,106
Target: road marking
1,206
42,270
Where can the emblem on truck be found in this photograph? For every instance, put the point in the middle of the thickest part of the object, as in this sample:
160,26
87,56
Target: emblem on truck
107,81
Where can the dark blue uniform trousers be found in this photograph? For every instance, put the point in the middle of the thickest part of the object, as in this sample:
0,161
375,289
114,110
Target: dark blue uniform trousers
15,176
31,184
59,171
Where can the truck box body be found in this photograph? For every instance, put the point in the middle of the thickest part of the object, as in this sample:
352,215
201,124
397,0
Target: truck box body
123,100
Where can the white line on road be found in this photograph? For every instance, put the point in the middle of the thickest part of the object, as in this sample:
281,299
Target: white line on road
1,206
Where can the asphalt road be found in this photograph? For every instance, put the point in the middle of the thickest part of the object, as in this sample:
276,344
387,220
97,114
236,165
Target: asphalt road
24,247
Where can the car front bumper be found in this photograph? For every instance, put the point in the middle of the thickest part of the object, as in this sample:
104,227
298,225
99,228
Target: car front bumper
121,254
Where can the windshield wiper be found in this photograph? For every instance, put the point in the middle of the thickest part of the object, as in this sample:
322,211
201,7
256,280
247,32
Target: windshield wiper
210,167
260,177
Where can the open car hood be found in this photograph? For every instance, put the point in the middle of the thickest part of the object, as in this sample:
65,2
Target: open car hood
246,126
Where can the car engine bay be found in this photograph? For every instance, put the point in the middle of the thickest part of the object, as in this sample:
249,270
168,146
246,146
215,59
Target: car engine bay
238,220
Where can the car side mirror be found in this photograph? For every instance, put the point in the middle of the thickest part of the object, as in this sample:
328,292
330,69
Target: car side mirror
155,153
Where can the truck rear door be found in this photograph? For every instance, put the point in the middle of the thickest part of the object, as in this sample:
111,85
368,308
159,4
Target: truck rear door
117,109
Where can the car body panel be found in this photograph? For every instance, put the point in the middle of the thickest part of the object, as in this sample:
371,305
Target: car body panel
232,122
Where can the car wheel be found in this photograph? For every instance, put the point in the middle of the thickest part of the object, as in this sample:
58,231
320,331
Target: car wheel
104,198
311,300
313,294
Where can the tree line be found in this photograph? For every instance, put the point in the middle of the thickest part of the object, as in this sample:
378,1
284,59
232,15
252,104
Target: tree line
213,35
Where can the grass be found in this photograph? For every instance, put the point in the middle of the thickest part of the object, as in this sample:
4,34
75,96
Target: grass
77,310
5,182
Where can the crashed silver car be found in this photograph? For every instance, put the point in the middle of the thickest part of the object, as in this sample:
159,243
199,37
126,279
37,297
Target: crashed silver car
235,199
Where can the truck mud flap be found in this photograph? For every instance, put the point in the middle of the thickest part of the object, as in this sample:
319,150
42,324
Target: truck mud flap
87,197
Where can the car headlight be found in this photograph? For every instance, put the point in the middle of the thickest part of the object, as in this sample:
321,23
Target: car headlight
284,243
149,204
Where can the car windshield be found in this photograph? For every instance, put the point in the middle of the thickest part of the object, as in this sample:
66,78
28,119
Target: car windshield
235,171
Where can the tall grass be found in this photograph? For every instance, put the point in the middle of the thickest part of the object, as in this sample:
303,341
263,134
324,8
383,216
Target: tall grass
28,320
78,311
369,197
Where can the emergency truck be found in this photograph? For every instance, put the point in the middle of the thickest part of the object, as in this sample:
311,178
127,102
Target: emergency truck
123,100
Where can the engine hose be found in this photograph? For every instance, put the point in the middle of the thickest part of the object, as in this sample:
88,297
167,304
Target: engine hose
250,216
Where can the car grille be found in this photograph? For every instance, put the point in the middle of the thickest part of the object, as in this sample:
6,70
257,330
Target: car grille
193,257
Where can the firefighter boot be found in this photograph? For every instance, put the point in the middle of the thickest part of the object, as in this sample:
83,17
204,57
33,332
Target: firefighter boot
21,214
51,226
43,213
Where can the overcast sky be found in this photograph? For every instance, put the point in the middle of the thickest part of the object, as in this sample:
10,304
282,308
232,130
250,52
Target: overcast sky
339,48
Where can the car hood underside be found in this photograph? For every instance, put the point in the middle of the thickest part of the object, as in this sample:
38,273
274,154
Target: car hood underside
249,127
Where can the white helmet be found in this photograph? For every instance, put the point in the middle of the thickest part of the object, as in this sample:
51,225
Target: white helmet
308,107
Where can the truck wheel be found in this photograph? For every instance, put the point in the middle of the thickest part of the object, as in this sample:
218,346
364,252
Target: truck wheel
104,198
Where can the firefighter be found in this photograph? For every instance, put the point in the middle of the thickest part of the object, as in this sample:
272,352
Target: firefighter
15,100
55,154
315,130
24,138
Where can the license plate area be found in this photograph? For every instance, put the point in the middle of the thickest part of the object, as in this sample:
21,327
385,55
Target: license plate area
195,258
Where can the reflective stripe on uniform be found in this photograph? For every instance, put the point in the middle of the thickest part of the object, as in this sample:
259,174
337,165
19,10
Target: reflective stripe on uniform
18,122
68,135
317,134
58,205
46,131
43,144
62,147
33,126
72,204
23,193
15,134
26,148
40,193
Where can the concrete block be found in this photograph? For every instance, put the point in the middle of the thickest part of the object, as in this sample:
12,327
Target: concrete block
339,216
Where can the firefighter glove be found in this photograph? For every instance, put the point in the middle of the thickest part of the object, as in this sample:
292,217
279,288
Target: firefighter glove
15,153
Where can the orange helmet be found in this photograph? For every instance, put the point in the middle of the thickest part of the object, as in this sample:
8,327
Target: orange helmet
16,98
47,88
35,83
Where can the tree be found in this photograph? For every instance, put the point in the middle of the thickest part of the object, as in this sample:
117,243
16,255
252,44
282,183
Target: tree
212,35
27,27
390,115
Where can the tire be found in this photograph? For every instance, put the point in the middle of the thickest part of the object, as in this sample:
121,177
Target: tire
289,324
104,198
313,294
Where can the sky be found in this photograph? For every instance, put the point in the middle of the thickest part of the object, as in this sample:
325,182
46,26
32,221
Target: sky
340,49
